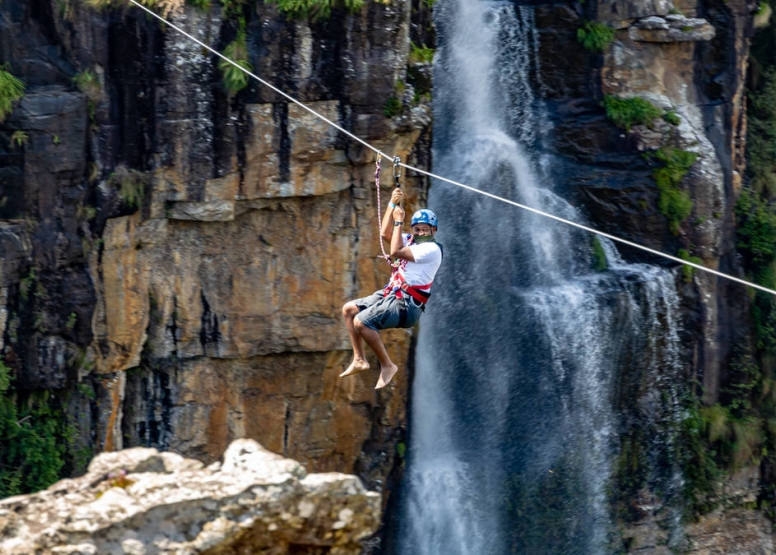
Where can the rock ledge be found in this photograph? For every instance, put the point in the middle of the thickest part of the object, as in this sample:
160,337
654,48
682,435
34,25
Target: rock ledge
143,502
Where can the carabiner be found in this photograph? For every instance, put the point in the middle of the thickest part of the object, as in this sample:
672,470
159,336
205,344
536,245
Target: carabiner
397,170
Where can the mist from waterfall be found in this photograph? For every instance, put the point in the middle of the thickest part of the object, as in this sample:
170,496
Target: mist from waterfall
514,426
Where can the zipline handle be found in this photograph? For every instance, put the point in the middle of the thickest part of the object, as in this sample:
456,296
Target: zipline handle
397,170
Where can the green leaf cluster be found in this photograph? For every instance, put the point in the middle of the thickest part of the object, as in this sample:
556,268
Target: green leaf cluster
757,229
235,79
761,136
392,107
688,271
674,203
672,117
722,438
88,83
595,36
420,54
314,9
19,138
626,112
33,440
11,90
600,264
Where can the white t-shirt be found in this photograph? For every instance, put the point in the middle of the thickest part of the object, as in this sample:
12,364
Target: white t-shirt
428,257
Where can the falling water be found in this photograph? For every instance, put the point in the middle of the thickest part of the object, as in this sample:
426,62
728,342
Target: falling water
514,423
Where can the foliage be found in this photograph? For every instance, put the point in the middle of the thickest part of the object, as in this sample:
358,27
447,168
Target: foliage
33,440
600,264
674,203
626,112
203,5
761,136
11,90
236,79
757,229
25,284
166,7
88,83
420,54
392,107
702,475
735,432
671,117
688,271
131,186
401,449
19,138
314,9
595,36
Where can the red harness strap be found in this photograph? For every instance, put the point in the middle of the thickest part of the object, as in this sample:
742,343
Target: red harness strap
418,292
397,284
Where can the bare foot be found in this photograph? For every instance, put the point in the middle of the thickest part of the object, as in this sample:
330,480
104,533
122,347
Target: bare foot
386,375
358,365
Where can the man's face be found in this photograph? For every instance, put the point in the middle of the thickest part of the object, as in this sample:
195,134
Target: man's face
422,229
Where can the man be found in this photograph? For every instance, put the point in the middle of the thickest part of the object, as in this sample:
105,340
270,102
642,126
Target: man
403,300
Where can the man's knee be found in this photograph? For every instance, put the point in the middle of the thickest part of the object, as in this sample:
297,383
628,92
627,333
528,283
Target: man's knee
358,324
349,309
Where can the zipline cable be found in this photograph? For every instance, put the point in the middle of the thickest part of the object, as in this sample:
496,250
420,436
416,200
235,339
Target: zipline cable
595,231
456,183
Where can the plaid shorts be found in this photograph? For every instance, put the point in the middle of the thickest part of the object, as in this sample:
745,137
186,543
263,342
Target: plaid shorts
379,313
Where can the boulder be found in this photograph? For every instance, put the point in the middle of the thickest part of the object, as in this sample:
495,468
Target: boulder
142,501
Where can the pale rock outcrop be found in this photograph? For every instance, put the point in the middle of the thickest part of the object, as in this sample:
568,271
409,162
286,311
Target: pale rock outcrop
657,60
672,28
142,501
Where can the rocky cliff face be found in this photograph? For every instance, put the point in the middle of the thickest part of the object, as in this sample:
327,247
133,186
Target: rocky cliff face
175,256
142,501
688,58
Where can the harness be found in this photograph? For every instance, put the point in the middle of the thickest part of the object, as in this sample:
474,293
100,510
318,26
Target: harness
398,284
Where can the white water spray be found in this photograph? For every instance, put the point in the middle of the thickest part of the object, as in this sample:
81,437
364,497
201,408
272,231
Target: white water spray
513,426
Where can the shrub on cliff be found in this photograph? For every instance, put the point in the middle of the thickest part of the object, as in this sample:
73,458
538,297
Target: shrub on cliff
33,440
315,9
674,203
11,90
235,79
757,229
626,112
761,136
166,7
595,36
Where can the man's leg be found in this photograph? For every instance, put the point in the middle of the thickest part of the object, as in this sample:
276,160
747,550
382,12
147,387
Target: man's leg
349,312
387,367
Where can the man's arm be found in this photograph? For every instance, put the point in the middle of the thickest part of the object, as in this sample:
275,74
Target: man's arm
386,228
398,250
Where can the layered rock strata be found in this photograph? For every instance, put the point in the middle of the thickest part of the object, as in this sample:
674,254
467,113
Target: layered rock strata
175,255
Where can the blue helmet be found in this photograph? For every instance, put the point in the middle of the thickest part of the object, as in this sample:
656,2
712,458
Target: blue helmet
424,216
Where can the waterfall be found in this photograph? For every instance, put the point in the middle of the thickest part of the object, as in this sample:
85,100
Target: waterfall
514,423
